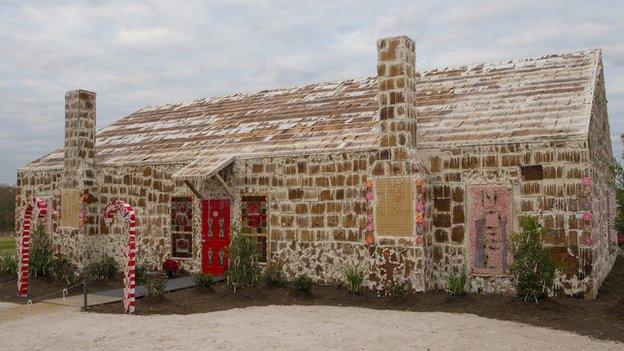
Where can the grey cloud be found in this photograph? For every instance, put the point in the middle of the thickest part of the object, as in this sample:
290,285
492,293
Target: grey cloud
135,54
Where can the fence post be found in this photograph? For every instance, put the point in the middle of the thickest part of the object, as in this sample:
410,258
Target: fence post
29,287
84,293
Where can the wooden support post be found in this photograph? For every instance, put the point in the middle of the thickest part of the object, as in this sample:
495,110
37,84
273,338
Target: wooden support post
190,186
227,187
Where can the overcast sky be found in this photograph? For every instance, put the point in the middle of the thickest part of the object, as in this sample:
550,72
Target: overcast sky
155,52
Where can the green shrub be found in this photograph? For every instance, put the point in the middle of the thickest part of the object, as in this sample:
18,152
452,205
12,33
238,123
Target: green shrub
40,254
62,269
303,283
8,264
102,268
155,286
398,290
139,273
204,281
243,270
354,278
456,283
273,274
532,269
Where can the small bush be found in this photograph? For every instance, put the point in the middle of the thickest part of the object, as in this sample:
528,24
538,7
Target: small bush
303,283
456,283
155,286
102,268
532,269
354,279
40,253
61,269
204,281
8,264
398,290
243,270
273,274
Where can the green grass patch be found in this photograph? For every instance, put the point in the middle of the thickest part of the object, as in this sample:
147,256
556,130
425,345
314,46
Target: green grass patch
7,246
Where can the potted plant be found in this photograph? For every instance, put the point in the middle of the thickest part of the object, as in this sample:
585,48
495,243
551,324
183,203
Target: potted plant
171,267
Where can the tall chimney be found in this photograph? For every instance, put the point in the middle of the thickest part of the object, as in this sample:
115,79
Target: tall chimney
79,155
397,113
79,151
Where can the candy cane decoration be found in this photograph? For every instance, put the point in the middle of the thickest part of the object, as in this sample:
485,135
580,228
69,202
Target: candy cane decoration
39,209
127,214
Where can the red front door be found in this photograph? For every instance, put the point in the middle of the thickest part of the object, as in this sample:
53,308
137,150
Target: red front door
215,235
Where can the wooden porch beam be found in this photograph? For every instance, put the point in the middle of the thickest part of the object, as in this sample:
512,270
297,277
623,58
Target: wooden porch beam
190,186
227,187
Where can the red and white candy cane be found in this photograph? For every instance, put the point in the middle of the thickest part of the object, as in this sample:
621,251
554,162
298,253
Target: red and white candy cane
127,214
37,209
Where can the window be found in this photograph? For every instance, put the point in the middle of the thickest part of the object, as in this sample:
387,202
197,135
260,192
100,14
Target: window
254,222
394,211
182,227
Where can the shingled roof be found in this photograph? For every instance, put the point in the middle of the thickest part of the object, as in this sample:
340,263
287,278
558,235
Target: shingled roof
518,100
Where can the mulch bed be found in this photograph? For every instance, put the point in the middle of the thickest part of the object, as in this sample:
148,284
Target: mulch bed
42,286
602,318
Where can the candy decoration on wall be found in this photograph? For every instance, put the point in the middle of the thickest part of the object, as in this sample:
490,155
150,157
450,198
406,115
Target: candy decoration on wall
370,227
36,209
85,199
420,211
127,214
587,216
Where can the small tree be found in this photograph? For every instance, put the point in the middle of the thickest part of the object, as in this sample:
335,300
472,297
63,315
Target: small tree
243,270
532,269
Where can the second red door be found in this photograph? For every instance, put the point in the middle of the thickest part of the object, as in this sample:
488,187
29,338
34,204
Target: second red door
215,235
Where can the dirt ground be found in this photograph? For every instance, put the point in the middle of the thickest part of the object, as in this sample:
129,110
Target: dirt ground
49,327
602,318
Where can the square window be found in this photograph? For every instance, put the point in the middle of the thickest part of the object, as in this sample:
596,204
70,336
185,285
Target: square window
254,222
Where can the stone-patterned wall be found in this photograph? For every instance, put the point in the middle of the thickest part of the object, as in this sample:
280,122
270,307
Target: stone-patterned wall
603,196
317,211
147,188
554,193
317,214
317,217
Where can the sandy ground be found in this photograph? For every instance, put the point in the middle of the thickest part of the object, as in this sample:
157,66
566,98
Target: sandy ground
276,328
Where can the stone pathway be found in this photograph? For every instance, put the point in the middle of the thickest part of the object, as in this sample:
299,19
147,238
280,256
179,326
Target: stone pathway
115,295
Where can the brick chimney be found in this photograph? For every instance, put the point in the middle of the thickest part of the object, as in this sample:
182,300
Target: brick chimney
79,156
79,151
396,69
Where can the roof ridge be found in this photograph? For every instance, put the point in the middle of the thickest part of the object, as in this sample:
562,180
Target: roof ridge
514,61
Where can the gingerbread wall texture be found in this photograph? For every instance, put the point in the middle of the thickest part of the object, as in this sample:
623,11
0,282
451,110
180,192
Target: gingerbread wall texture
408,175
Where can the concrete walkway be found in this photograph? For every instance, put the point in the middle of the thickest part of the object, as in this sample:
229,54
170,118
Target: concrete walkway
114,295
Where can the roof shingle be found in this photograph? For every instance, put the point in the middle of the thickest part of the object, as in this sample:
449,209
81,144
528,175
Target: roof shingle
510,101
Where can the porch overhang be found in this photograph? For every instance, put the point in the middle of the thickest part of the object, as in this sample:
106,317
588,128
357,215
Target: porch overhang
204,167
